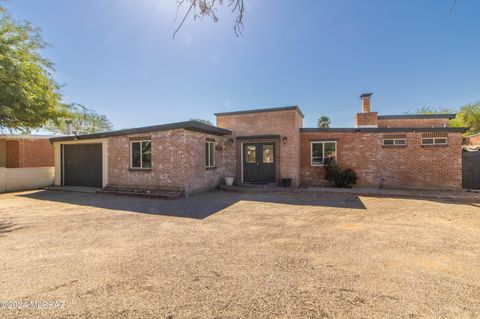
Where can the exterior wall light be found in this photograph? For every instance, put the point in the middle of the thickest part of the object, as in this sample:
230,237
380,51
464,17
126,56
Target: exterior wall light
284,140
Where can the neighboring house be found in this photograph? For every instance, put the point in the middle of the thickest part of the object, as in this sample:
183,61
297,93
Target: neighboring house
473,140
26,162
266,146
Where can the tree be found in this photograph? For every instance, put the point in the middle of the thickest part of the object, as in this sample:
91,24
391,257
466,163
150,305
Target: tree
29,96
208,8
83,120
469,116
323,122
434,110
201,121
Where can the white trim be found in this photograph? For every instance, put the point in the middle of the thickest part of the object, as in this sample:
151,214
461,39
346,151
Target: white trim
367,126
394,139
62,161
58,158
207,155
241,161
141,154
323,151
435,141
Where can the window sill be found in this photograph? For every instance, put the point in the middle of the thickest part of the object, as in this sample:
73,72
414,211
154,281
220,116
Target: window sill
210,168
140,169
393,146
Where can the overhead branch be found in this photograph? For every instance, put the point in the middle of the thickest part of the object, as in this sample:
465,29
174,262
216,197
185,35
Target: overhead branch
208,8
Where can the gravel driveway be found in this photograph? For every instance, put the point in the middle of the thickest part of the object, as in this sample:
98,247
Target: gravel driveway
229,255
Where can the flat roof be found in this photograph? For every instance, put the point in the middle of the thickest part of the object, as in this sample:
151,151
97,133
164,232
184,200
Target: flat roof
273,109
387,129
25,136
417,116
189,125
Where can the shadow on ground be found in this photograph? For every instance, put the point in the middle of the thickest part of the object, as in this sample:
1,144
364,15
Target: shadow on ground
198,206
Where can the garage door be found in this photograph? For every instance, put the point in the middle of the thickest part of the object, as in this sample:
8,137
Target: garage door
82,165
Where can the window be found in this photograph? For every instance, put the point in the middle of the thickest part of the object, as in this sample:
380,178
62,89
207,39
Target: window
267,154
141,154
210,154
435,141
394,142
323,152
251,154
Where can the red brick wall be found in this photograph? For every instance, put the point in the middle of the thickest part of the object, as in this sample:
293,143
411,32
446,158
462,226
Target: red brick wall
412,122
412,166
284,123
13,154
26,152
36,153
366,119
178,161
197,176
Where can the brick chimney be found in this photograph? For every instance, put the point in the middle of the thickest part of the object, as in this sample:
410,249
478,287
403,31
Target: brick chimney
366,118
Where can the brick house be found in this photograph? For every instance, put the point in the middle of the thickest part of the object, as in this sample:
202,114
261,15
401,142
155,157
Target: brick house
20,151
266,146
26,162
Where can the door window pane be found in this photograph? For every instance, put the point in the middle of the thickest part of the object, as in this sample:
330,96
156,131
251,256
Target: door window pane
268,153
251,154
136,155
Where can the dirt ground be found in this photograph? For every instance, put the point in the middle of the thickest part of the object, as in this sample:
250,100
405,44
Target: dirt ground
230,255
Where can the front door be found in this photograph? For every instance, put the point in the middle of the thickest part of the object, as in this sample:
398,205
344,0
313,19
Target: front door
259,163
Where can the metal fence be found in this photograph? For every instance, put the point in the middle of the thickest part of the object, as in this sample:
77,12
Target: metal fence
471,170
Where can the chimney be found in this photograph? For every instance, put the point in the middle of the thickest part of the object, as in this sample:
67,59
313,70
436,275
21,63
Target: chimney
366,102
366,118
68,127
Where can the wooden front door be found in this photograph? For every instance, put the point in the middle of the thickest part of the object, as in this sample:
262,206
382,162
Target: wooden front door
259,163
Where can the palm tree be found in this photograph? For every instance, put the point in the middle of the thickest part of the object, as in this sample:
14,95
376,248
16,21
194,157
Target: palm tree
323,122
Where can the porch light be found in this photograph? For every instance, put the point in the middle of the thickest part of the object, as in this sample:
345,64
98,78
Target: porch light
284,140
230,141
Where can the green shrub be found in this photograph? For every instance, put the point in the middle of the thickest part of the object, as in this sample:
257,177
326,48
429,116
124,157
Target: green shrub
341,178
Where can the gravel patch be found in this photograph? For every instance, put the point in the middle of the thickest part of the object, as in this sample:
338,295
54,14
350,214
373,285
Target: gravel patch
229,255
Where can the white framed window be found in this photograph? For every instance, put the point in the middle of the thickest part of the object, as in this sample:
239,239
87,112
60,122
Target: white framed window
394,142
427,141
209,154
322,152
141,154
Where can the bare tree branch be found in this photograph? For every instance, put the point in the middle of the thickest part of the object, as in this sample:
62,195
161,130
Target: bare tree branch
180,3
453,6
208,8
